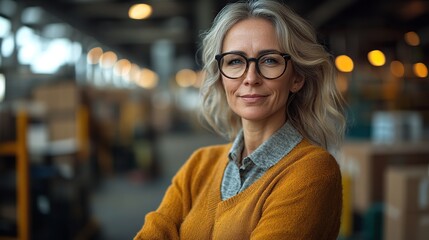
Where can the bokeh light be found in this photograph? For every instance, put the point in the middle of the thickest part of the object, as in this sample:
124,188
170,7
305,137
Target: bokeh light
94,55
108,59
376,58
344,63
412,38
420,70
186,77
122,67
397,69
148,79
140,11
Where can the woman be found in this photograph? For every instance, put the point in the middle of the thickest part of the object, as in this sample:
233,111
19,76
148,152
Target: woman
270,88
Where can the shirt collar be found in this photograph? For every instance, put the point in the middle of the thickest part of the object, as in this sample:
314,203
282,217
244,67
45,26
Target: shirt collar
237,148
272,150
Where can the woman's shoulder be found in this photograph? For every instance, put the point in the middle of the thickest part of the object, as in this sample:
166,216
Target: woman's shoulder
310,149
307,165
311,158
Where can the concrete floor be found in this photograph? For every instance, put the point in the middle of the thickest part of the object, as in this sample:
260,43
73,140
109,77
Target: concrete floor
121,202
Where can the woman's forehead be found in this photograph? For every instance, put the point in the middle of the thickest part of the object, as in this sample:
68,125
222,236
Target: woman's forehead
254,35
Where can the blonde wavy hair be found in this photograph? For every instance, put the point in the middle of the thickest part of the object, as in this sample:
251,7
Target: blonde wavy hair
316,111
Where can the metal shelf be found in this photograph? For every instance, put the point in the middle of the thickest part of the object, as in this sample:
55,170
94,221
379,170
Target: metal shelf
19,150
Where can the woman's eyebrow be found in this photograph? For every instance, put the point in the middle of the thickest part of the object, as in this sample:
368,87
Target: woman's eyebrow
236,52
261,52
268,51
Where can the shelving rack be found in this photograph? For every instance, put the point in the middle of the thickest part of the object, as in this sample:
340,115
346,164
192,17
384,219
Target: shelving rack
18,148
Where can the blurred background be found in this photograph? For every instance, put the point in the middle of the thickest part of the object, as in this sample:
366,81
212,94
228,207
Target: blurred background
99,100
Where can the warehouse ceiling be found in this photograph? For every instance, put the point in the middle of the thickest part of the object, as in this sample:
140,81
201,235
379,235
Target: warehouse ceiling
181,21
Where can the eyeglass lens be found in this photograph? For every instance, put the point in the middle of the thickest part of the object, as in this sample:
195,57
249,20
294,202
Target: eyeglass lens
269,65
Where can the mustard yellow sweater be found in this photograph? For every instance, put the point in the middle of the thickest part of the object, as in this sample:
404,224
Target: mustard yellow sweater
298,198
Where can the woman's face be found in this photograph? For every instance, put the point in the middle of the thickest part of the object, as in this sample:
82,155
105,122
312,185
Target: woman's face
251,96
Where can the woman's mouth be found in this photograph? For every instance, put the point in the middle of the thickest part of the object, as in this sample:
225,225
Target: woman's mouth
253,98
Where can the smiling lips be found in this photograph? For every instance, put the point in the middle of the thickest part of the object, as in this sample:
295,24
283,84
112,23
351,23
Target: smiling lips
253,98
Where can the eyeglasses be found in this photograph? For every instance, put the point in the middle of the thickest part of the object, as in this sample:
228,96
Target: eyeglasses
269,65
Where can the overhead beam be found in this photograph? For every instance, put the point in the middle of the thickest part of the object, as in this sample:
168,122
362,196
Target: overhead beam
145,35
327,10
161,9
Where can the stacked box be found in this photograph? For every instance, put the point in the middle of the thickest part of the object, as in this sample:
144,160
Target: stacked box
63,127
61,101
407,203
367,163
57,97
60,197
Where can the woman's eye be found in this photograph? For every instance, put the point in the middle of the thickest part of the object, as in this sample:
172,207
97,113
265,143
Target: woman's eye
269,61
235,62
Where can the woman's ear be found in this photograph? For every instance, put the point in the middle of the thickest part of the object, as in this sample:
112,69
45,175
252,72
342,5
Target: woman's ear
297,84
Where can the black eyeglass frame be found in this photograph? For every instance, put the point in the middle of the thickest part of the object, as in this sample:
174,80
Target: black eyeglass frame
219,57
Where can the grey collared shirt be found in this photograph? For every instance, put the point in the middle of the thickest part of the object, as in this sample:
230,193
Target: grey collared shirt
239,177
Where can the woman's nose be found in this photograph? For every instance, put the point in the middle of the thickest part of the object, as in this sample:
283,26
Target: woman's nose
252,76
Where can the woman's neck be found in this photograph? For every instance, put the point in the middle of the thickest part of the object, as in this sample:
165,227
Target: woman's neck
255,133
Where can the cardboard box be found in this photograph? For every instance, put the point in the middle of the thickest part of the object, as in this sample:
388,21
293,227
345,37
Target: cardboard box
366,163
407,203
62,128
57,97
406,226
407,189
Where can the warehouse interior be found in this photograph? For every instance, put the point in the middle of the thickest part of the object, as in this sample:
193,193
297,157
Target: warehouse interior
99,109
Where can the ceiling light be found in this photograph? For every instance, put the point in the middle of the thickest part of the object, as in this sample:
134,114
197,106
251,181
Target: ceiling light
186,77
2,87
397,69
148,79
7,45
5,27
342,83
134,72
376,58
344,63
93,56
412,38
140,11
420,70
108,59
122,67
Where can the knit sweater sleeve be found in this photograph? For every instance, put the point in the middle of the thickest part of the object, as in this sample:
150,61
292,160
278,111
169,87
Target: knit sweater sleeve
305,204
165,222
